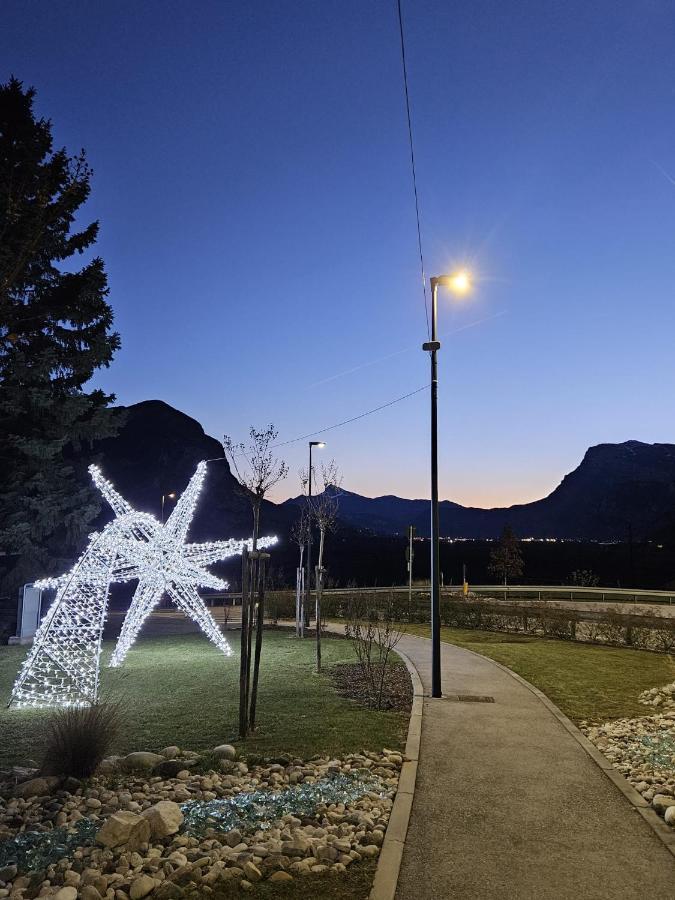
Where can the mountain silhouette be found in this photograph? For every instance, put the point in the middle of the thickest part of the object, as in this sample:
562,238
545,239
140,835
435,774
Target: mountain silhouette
618,491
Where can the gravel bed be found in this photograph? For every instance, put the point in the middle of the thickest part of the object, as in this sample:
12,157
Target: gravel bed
139,820
643,749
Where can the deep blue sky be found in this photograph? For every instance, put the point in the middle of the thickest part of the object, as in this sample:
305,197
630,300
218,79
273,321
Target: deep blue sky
253,185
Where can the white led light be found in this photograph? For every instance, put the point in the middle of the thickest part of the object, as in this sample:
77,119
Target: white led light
62,667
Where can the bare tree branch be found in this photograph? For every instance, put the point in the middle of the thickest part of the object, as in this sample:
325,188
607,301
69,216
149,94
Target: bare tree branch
256,468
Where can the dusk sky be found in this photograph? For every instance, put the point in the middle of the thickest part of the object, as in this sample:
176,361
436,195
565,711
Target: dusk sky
252,179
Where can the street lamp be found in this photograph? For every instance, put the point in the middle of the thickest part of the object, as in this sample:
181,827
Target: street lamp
459,283
308,584
171,496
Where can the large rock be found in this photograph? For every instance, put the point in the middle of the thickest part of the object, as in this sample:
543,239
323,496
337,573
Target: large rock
141,887
661,802
297,847
252,872
165,818
124,828
89,892
141,760
225,751
36,787
65,893
110,765
280,877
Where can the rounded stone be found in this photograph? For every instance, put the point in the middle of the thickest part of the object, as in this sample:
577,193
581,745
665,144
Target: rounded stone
280,876
225,751
66,893
141,760
141,887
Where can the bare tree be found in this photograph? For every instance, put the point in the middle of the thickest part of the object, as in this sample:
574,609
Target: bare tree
374,628
258,471
256,468
300,536
324,510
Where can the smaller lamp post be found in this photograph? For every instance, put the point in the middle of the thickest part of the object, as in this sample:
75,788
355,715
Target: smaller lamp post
171,496
308,585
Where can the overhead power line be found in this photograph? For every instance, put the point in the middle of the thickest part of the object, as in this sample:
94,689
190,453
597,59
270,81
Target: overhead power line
354,418
412,163
363,415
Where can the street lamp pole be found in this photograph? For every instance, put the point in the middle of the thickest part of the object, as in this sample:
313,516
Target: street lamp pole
308,583
459,283
171,495
433,346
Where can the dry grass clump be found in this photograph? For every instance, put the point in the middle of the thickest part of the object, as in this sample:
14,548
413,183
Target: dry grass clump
79,737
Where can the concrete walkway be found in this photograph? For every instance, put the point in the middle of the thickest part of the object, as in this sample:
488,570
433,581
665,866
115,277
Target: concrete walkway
508,805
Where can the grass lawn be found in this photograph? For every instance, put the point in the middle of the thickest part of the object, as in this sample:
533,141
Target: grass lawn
181,690
584,680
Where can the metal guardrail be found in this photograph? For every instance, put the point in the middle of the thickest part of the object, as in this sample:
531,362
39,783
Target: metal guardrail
539,592
571,592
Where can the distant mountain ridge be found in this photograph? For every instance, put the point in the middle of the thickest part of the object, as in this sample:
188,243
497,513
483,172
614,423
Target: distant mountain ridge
617,491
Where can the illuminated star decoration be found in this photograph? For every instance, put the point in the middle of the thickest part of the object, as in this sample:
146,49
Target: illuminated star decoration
62,667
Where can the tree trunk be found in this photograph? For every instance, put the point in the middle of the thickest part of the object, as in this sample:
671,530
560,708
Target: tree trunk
258,639
256,523
243,662
300,602
300,598
319,589
252,587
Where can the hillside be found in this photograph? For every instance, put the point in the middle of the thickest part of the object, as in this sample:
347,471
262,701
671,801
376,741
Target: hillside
616,489
156,453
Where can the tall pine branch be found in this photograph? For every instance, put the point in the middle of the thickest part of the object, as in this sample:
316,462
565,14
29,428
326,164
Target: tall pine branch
55,332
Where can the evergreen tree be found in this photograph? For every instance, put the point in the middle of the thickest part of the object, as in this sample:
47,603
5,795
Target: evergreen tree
55,331
505,559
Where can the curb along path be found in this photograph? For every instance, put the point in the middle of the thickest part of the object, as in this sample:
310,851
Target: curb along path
509,803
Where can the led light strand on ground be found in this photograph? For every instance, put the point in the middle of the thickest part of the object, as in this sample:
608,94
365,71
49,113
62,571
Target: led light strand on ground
62,667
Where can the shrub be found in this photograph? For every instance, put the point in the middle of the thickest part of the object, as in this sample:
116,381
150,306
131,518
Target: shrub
279,605
558,624
374,631
615,628
641,638
664,638
79,737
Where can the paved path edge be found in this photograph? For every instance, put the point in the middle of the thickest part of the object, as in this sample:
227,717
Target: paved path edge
391,854
665,834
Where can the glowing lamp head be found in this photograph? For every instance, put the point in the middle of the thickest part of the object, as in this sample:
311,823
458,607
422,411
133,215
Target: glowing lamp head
459,282
172,496
317,444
